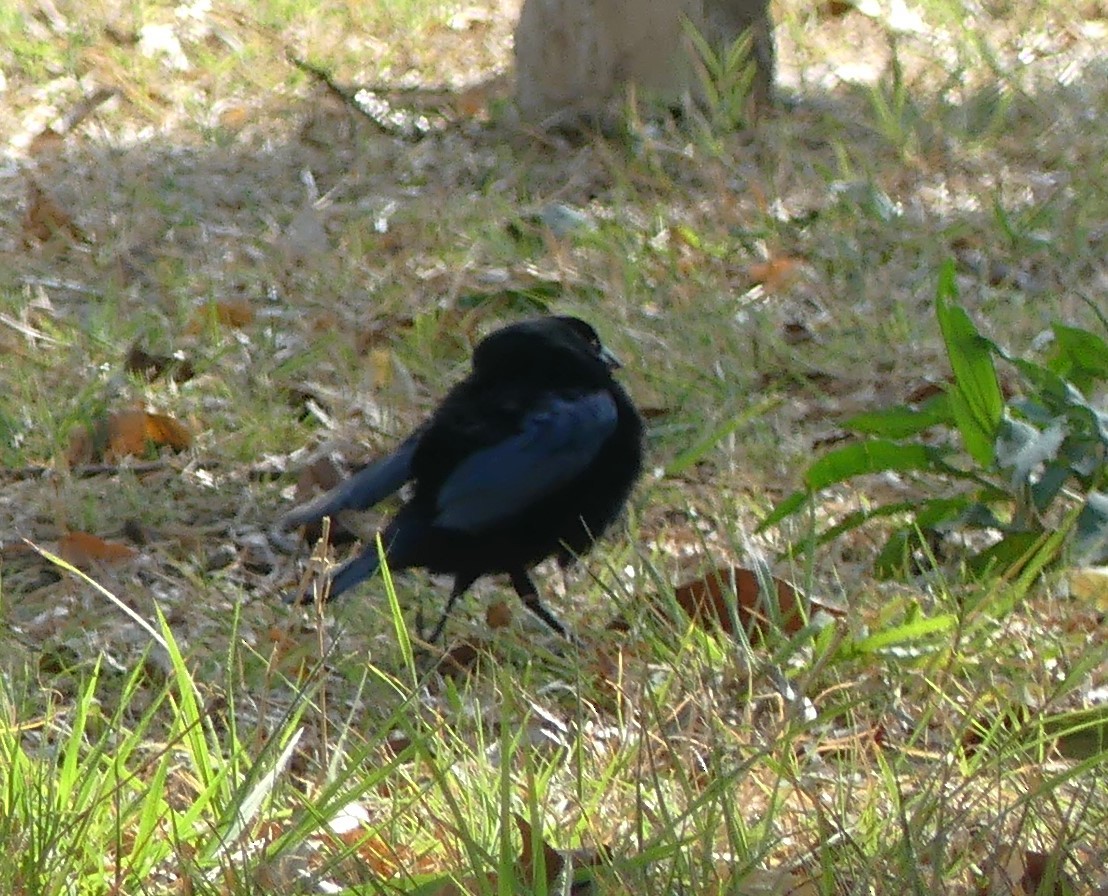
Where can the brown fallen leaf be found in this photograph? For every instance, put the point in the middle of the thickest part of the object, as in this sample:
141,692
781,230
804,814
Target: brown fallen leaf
796,332
150,367
1026,872
315,479
498,614
234,117
774,274
235,313
292,654
381,331
553,861
474,102
46,142
85,551
126,433
707,601
775,883
923,391
460,659
44,218
834,9
318,477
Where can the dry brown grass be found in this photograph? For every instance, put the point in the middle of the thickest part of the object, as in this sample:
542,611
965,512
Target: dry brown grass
325,277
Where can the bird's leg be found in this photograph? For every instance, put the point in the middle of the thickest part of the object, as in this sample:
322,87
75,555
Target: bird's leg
529,594
461,586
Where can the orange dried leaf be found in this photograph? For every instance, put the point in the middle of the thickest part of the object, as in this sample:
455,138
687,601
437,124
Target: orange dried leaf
133,432
474,102
234,118
707,601
774,274
84,550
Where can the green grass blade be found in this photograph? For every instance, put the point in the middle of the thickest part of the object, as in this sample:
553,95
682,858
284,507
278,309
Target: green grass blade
912,632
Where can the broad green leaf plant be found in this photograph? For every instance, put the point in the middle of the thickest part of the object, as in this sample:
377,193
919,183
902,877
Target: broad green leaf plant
1016,473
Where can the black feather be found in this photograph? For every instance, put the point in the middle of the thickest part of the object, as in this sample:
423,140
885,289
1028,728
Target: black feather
532,455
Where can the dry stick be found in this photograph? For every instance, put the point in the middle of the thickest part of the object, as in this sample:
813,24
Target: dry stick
85,470
407,124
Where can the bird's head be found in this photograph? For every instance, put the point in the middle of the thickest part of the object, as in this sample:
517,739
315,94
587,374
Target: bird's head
586,334
545,342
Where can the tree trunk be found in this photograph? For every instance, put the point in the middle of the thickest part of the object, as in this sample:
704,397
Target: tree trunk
576,58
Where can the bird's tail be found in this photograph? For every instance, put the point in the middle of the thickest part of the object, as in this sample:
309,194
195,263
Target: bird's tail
401,540
354,571
346,577
365,488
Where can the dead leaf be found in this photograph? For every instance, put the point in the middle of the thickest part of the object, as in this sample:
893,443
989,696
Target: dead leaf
553,861
293,657
775,883
796,332
774,274
498,614
460,659
318,477
381,330
834,9
1026,872
235,313
150,367
315,479
46,142
474,102
707,601
924,391
130,432
1089,585
86,551
126,433
44,218
234,117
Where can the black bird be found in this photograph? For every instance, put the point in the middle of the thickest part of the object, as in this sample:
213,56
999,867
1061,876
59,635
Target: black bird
532,455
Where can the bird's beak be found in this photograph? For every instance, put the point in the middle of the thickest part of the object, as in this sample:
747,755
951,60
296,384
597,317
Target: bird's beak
609,358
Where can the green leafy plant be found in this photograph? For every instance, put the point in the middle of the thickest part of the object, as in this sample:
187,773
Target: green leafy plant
1018,472
726,75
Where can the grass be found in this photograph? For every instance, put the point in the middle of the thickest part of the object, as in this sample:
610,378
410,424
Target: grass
761,286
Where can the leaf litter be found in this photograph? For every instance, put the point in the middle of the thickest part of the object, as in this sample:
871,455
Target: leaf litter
221,249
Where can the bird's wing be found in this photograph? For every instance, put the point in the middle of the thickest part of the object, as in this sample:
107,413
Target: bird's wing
557,441
362,490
